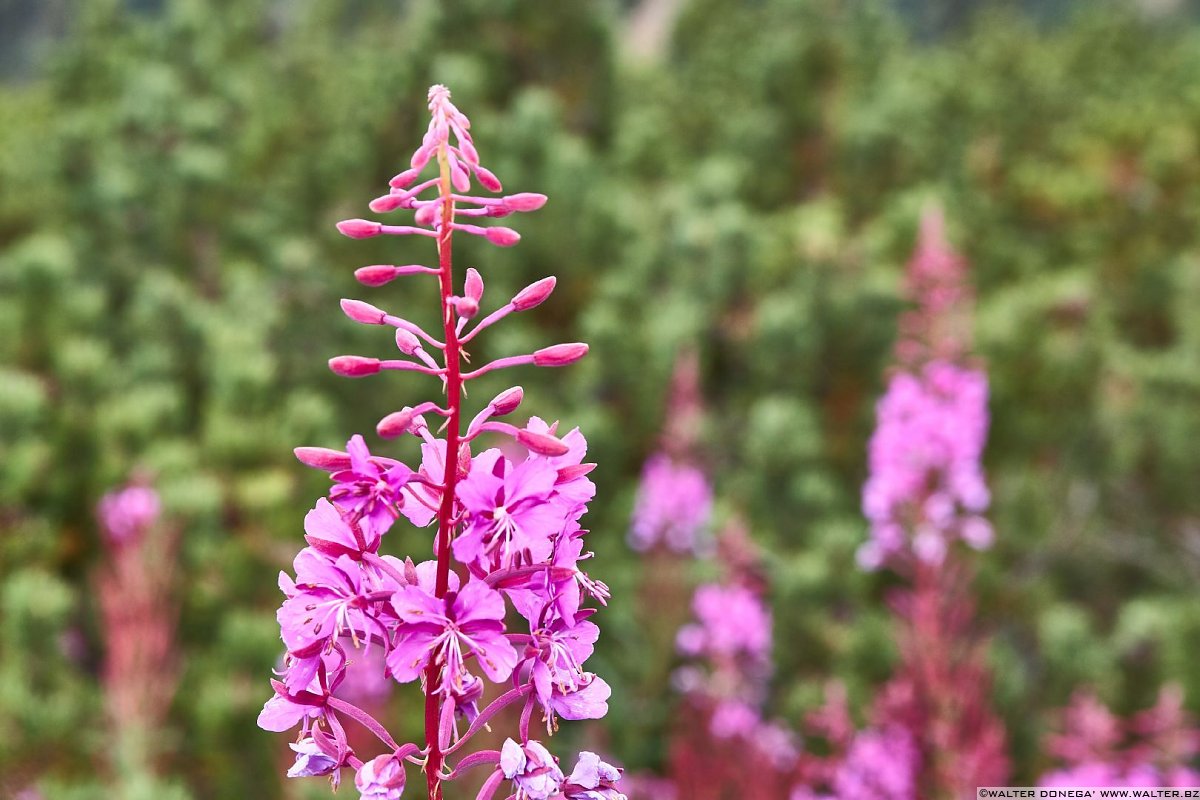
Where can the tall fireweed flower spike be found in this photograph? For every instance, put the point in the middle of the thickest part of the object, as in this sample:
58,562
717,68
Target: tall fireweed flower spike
505,531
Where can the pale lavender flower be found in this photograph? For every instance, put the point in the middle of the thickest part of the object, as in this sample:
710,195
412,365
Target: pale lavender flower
592,779
381,778
534,772
311,760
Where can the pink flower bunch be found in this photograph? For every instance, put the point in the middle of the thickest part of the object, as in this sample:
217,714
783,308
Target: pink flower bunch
726,685
126,514
507,534
926,485
1156,747
875,763
674,504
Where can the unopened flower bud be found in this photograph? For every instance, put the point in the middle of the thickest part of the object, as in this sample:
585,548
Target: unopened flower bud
323,458
426,215
525,201
354,366
376,274
406,341
473,287
362,312
542,443
396,424
386,203
559,355
466,307
502,237
507,401
359,228
487,180
404,179
534,294
460,178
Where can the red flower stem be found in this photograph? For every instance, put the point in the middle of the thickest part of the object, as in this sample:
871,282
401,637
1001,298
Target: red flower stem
446,515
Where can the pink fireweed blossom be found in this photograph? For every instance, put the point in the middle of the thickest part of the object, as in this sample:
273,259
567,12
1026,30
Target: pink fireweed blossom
731,623
444,631
926,484
673,507
506,518
125,514
592,779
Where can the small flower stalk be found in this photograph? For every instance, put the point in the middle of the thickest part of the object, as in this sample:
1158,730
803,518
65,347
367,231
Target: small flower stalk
138,614
504,530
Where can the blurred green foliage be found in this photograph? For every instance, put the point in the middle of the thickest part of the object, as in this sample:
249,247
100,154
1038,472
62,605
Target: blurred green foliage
169,276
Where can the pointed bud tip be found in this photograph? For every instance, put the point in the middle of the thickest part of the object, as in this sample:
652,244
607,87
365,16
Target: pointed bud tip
404,179
542,443
406,341
396,424
322,458
359,228
386,203
502,237
487,179
354,366
375,275
534,294
524,201
560,355
362,312
507,401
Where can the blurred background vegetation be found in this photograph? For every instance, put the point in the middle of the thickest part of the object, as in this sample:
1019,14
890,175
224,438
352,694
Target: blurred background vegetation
740,176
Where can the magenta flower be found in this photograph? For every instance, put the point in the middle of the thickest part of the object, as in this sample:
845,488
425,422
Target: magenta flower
381,778
445,631
329,599
329,531
879,765
674,504
531,768
367,492
926,477
732,622
511,520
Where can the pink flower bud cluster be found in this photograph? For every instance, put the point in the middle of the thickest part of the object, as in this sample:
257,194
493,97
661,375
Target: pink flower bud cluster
926,486
1154,748
507,536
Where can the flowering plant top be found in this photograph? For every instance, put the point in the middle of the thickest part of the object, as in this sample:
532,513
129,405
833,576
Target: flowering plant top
505,532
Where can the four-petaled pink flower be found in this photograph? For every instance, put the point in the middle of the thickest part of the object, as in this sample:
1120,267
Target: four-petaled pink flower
368,492
511,521
592,779
381,778
445,631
